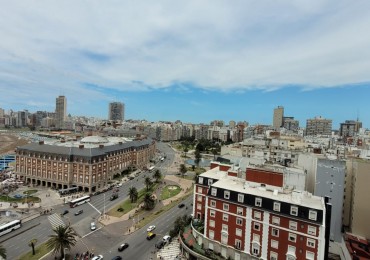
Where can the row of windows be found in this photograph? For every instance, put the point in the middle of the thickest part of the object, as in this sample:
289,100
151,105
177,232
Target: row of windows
311,230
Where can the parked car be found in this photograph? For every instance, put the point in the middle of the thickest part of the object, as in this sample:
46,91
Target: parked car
92,226
65,212
150,236
181,205
166,239
79,212
159,244
117,257
150,228
97,257
122,247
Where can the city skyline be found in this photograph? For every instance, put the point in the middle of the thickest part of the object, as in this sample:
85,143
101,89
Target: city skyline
227,62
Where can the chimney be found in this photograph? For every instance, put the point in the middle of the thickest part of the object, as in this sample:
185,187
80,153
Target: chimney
41,142
81,146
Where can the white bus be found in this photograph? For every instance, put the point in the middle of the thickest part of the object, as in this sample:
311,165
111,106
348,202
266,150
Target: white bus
8,227
79,201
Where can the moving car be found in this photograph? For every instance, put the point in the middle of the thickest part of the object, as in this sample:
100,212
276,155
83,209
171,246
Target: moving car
117,257
113,197
92,226
181,205
122,247
65,212
150,236
79,212
97,257
150,228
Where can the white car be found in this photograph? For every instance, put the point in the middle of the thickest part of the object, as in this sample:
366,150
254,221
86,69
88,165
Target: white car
97,257
92,226
167,239
150,228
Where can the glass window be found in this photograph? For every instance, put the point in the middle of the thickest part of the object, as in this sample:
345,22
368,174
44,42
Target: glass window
275,232
226,207
311,230
276,221
239,211
275,244
238,232
200,180
199,198
257,215
292,237
241,198
213,203
211,234
258,202
310,255
312,215
200,190
311,242
277,206
293,225
239,221
273,256
212,223
227,194
212,213
256,226
214,192
225,217
294,210
225,227
210,182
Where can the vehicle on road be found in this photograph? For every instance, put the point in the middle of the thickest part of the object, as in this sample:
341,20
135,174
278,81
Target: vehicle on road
79,201
79,212
150,236
113,196
181,205
117,257
65,212
159,244
97,257
122,247
92,226
150,228
8,227
167,239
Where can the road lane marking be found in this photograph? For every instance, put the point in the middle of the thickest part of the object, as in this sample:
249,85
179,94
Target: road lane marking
94,207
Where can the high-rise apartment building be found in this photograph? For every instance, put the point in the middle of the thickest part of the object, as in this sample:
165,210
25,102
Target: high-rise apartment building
60,111
349,128
116,111
290,123
278,117
318,126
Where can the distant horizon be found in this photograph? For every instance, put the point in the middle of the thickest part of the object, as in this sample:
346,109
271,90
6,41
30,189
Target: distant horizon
211,61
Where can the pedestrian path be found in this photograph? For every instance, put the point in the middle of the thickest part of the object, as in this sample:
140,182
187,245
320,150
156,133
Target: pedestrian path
55,220
170,251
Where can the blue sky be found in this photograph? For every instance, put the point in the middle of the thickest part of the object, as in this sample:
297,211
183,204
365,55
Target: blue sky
195,61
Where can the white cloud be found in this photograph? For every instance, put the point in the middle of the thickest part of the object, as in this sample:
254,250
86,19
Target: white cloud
57,46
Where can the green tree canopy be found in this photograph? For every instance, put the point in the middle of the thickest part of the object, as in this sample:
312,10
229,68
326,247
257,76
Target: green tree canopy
64,237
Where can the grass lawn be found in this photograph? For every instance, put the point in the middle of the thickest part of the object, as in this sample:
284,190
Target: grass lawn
40,251
127,205
11,199
170,191
29,192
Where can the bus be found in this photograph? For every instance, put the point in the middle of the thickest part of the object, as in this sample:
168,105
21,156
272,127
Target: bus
10,226
79,201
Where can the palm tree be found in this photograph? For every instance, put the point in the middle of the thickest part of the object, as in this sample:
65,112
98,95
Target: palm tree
32,244
2,252
148,183
148,201
157,175
198,156
64,237
183,169
133,194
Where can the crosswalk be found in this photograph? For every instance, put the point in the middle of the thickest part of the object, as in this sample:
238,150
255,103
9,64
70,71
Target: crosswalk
55,220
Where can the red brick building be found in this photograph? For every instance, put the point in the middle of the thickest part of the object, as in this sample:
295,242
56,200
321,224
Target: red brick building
255,218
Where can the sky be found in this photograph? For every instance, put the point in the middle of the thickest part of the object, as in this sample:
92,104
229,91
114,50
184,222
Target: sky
194,61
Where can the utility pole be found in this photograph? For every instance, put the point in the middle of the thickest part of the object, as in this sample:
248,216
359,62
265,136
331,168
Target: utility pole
104,207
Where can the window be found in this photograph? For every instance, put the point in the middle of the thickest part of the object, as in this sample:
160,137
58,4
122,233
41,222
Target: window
225,227
255,249
199,206
226,206
227,194
199,198
241,198
225,217
239,211
239,221
310,255
311,242
238,244
275,244
292,237
212,223
256,226
292,225
211,234
276,221
312,214
257,215
213,203
256,238
200,190
238,232
210,182
214,192
258,202
311,230
200,180
273,256
275,232
212,213
294,210
277,206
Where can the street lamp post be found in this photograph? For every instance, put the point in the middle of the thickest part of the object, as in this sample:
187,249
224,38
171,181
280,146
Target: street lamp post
104,207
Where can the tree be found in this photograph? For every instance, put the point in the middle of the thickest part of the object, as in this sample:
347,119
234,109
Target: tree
148,183
214,152
157,175
32,244
133,194
183,169
186,150
2,252
149,202
198,156
64,237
